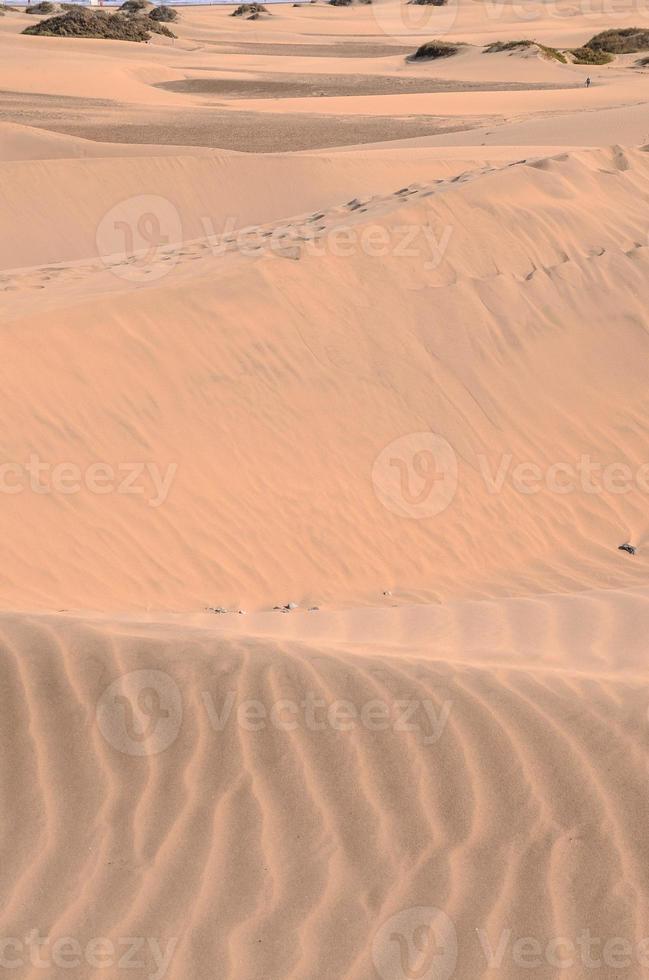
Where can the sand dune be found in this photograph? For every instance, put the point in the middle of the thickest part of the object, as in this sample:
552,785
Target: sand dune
320,656
241,456
190,839
211,192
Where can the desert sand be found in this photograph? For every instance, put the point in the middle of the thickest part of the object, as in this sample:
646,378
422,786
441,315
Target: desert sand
324,417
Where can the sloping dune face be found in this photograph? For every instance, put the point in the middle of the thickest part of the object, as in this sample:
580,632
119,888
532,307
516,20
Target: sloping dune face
253,417
201,804
324,486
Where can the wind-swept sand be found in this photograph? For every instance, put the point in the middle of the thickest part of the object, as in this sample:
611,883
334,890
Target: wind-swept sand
388,376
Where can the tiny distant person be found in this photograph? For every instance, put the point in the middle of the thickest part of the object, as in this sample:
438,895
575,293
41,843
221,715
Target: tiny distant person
588,82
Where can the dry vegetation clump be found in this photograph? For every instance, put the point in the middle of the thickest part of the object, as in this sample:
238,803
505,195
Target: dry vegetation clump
163,13
434,49
625,40
590,56
41,8
135,6
150,24
250,10
81,22
497,47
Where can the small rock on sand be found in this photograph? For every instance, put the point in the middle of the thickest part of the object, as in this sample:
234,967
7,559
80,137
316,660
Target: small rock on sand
629,548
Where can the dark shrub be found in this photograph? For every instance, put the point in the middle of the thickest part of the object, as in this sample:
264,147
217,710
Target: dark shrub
496,47
626,40
434,49
41,8
589,56
163,13
249,10
82,22
156,26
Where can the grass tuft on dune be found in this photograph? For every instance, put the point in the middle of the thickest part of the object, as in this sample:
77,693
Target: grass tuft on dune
250,10
627,40
163,13
41,8
499,47
432,50
590,56
98,24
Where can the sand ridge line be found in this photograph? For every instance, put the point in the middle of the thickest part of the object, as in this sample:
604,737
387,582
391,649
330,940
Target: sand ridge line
284,237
